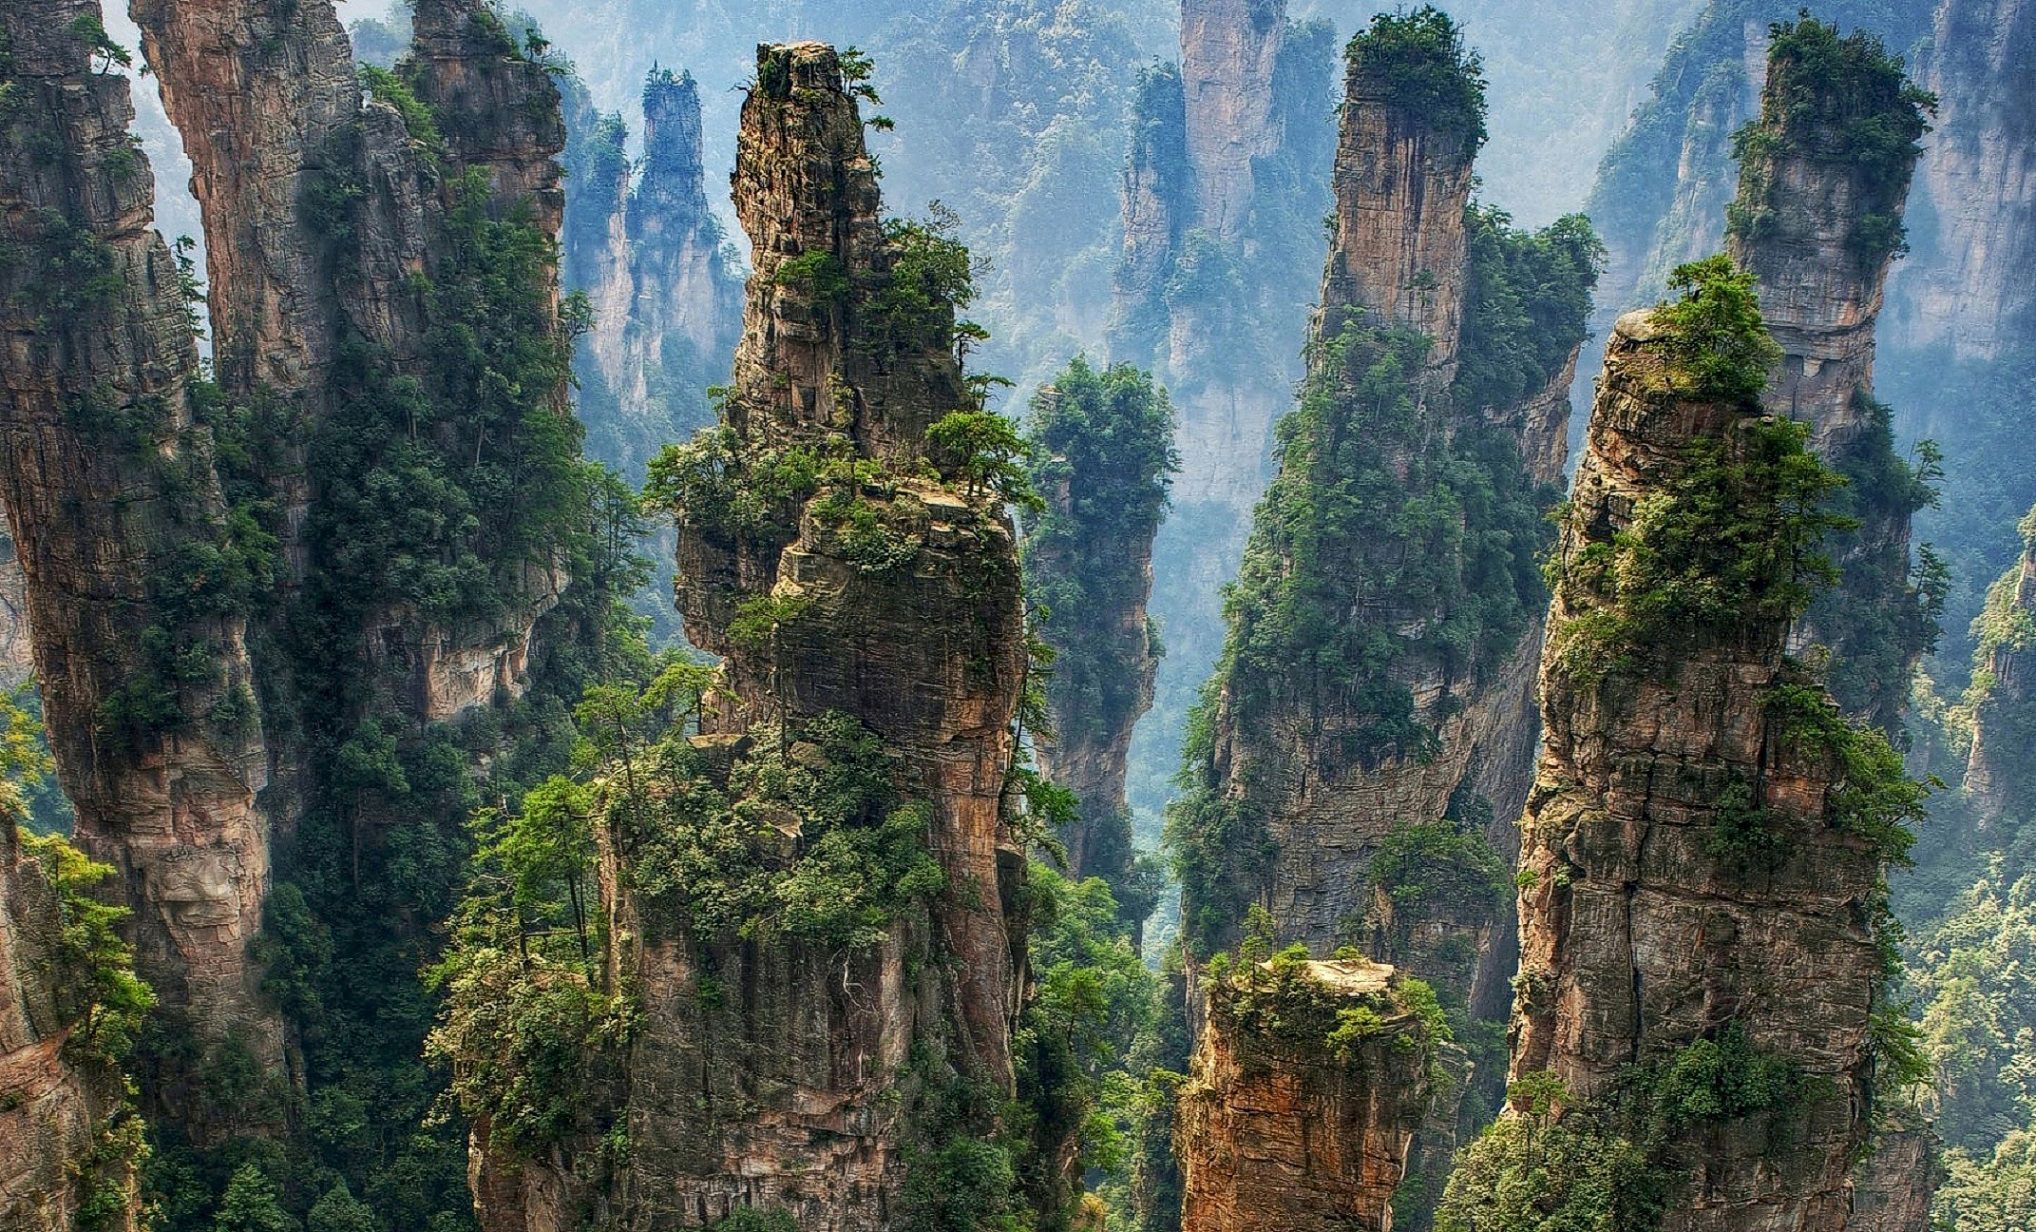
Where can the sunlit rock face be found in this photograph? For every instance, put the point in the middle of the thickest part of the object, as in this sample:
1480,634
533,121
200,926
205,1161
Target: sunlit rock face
1640,936
801,1085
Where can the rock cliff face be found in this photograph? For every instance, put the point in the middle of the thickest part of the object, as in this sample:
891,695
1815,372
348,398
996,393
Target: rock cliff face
1893,1190
1103,461
875,596
1998,781
1959,292
1307,1086
1230,53
120,526
1334,758
63,1107
1818,222
1402,185
1697,873
1222,253
319,211
666,296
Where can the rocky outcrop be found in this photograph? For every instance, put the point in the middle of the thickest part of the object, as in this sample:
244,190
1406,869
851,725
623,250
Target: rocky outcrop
320,211
1307,1086
1697,873
1998,780
1334,757
1824,175
1103,457
17,649
68,1143
1959,293
876,596
664,287
137,592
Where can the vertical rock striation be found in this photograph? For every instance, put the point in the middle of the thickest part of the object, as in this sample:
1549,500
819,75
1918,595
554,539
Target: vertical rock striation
666,296
1704,846
1310,1081
136,583
1824,175
1960,293
1369,726
320,211
870,621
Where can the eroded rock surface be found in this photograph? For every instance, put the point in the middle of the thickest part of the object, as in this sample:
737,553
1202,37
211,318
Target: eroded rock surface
113,502
1284,1123
1640,933
800,1084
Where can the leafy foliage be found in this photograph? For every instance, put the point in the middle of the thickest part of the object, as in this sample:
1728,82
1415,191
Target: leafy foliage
1734,534
1101,456
1614,1164
1844,100
1427,71
1092,998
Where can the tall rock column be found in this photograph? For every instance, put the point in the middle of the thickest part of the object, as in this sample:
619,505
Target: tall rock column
1704,847
1824,174
138,586
666,296
1222,204
1230,52
826,1007
1370,716
1103,460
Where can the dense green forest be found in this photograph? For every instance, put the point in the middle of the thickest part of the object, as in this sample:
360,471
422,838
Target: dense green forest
862,616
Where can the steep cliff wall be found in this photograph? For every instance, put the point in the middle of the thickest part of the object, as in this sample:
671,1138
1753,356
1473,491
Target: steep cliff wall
70,1143
665,291
1103,460
1704,845
1958,293
1222,202
1229,52
319,210
138,584
1824,175
1997,777
835,1003
1307,1086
